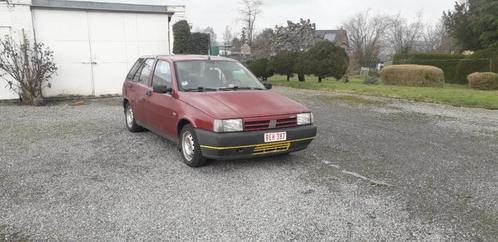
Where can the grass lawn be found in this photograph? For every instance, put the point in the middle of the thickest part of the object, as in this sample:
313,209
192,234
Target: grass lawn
456,95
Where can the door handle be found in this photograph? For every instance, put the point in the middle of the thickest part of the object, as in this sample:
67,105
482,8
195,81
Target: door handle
148,93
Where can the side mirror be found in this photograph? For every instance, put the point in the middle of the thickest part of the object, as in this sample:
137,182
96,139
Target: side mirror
268,85
161,89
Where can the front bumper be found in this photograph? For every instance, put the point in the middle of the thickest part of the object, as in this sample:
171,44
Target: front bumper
223,146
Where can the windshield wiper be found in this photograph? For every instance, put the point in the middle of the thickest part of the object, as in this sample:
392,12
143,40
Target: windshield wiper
235,88
200,89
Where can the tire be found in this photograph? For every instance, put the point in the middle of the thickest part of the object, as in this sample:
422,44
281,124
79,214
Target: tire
130,121
190,148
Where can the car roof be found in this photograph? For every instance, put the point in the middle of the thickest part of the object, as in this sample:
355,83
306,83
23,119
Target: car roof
188,57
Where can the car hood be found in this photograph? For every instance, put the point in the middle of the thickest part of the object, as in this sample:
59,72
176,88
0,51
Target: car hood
242,104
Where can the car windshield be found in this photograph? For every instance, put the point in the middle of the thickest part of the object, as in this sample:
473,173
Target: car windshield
209,75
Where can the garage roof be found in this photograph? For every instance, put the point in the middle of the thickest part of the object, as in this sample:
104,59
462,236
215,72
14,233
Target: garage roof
101,6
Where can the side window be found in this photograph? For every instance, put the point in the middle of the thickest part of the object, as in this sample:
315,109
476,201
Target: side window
134,69
144,72
162,74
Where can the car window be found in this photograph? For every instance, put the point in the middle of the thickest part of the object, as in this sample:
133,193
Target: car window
134,69
144,72
216,75
162,74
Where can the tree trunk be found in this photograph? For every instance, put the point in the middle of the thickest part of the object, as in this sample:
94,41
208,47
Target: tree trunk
26,98
288,77
301,77
319,79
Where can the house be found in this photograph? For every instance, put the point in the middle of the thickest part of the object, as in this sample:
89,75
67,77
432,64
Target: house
94,43
338,36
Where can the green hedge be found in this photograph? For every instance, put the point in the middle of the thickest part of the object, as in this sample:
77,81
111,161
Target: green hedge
261,68
456,67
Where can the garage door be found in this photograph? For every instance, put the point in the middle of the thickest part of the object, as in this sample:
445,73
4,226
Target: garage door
94,50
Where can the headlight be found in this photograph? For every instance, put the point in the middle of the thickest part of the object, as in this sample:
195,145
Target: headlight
304,118
229,125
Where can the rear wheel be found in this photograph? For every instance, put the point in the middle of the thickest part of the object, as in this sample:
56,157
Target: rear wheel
190,148
131,123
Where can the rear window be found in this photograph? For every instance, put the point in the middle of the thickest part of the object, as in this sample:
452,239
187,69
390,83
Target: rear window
134,69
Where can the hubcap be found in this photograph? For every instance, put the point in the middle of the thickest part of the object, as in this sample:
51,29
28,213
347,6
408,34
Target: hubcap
188,145
129,116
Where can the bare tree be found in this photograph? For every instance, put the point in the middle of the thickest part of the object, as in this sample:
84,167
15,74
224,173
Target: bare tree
249,11
366,35
227,35
27,67
437,38
262,46
403,35
227,39
212,34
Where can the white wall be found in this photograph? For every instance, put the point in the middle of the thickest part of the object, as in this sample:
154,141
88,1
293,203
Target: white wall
15,17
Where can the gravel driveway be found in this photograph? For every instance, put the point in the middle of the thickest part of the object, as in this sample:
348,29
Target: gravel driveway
380,169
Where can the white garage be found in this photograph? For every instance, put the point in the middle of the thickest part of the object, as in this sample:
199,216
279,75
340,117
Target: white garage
95,43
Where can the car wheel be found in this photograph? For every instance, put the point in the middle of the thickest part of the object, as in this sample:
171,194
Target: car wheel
190,148
130,121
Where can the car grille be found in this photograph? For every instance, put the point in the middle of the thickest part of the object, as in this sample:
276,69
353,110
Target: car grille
271,148
255,125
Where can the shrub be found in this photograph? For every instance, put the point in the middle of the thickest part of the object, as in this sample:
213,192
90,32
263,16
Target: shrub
302,65
261,68
492,54
481,61
27,68
413,75
283,63
469,65
198,44
327,59
181,32
483,80
456,67
446,62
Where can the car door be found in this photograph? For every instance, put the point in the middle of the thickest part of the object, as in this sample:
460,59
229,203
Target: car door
140,90
160,107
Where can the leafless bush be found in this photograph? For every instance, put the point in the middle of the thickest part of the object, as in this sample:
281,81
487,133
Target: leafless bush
27,67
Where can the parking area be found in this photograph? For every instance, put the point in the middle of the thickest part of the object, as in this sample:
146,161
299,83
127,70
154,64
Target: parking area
380,169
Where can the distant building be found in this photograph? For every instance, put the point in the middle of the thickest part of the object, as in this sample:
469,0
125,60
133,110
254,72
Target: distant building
337,36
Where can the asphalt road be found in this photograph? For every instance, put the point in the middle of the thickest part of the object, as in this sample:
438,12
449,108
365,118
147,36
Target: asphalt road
380,169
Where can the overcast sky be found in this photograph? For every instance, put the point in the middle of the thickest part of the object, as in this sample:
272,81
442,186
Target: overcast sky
327,14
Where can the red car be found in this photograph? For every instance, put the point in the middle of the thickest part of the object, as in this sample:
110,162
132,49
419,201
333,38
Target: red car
213,108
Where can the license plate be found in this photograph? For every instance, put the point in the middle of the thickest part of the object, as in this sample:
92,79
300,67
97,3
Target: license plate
277,136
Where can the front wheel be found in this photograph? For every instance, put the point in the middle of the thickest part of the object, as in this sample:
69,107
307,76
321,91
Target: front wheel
190,148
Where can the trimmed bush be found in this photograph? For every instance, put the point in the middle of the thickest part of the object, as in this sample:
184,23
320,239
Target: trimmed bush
327,59
181,33
198,44
447,62
413,75
261,68
283,63
483,81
